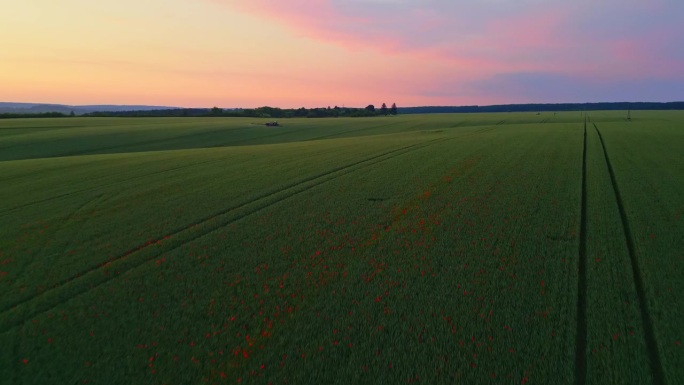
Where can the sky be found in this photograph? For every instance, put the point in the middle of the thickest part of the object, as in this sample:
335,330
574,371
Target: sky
312,53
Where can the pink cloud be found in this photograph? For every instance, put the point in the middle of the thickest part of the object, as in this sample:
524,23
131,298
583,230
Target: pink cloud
501,35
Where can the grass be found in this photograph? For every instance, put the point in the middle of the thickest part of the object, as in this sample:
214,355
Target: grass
434,248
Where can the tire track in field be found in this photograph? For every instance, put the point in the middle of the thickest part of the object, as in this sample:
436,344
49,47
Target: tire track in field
79,209
203,220
282,130
11,209
97,200
581,335
61,227
5,211
206,220
71,284
350,131
15,358
647,323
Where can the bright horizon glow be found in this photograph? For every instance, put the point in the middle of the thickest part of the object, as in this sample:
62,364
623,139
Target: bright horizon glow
313,53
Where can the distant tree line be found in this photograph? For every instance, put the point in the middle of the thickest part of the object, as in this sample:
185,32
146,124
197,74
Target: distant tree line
261,112
370,110
12,115
545,107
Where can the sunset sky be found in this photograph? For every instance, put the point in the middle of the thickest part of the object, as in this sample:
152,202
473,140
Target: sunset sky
294,53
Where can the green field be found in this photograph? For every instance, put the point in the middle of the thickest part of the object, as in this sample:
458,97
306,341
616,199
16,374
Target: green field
458,248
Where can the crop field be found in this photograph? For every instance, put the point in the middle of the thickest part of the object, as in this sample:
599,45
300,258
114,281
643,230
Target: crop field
511,248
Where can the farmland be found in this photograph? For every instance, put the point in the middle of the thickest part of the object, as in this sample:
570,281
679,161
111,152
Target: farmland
506,248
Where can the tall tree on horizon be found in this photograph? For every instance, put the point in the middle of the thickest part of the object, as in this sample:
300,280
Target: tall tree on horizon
383,109
393,109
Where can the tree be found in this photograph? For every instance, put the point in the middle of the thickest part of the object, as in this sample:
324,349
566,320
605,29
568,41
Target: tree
393,110
370,107
72,114
383,109
216,111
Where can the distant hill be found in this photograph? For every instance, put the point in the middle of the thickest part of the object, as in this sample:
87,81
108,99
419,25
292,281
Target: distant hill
37,108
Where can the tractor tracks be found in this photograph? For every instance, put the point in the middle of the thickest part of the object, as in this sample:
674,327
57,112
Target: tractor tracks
581,335
350,131
16,313
93,202
118,182
647,323
71,193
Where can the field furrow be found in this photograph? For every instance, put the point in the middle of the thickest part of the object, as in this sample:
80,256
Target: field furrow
616,346
15,314
581,340
647,323
647,167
